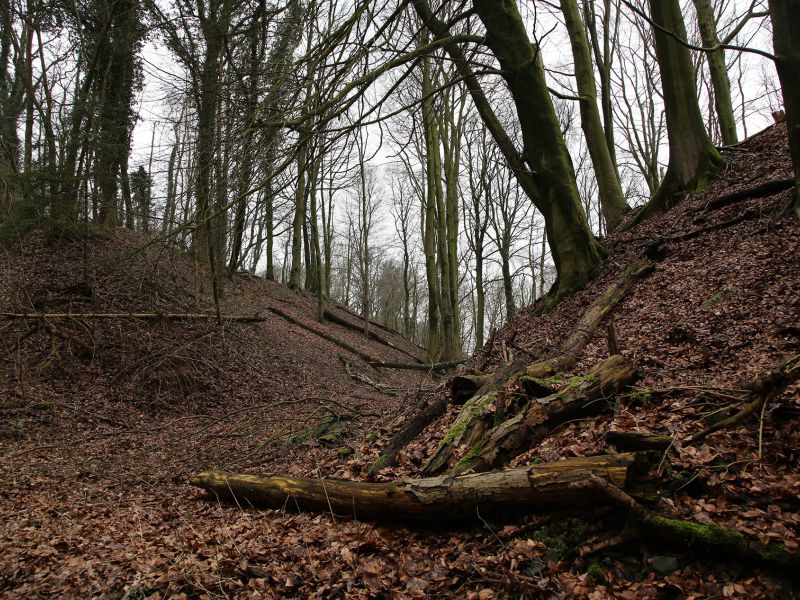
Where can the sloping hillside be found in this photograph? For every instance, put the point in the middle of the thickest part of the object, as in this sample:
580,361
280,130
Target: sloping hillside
104,420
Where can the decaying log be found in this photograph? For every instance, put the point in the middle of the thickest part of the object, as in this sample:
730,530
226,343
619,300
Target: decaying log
565,359
523,489
464,387
584,396
477,415
325,336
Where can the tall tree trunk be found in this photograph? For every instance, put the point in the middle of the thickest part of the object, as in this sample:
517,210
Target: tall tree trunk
296,273
612,200
719,71
786,40
693,160
576,253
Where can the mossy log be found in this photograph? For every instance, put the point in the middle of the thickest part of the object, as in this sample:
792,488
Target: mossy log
564,360
519,490
474,417
579,397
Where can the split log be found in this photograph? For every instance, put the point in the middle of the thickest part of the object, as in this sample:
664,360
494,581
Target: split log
519,490
155,316
583,397
325,336
477,415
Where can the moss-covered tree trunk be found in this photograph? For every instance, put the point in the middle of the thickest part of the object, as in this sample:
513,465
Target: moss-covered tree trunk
576,253
693,159
786,40
612,200
720,82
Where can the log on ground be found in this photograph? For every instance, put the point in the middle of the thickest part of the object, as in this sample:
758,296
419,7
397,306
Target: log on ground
519,490
584,397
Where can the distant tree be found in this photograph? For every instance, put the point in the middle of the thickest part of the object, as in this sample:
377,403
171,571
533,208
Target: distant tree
142,193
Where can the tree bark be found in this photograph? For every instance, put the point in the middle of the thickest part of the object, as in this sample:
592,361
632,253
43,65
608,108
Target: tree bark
718,70
450,498
612,200
580,398
693,160
786,40
576,253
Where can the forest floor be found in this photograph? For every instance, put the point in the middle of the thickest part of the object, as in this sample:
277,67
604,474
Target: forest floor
103,422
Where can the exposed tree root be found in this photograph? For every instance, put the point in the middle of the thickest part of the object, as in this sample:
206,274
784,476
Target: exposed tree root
762,390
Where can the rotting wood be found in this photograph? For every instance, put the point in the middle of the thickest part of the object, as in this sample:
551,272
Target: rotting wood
709,537
463,387
634,441
565,359
472,421
523,489
326,336
583,397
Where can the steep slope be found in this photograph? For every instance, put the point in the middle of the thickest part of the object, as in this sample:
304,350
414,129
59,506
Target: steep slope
94,494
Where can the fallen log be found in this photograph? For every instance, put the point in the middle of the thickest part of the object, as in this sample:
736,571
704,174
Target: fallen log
475,417
519,490
334,318
325,336
154,316
635,441
565,359
584,396
419,366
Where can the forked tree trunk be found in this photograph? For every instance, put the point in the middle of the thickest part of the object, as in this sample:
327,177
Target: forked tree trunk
576,253
693,160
